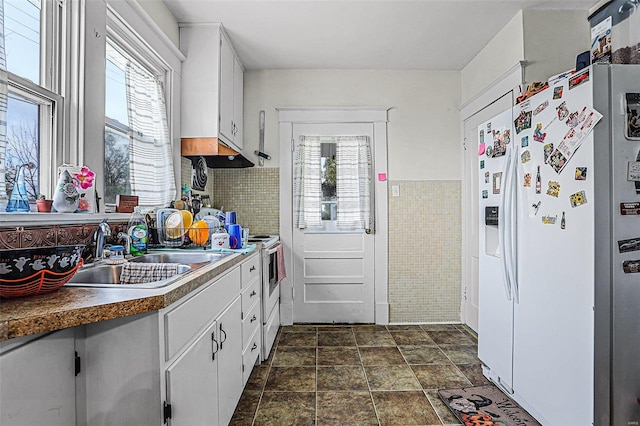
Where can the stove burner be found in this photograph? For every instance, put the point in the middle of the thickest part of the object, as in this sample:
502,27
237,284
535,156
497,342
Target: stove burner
261,237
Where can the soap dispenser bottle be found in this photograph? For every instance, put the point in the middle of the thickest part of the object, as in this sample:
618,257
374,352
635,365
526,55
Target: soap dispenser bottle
138,233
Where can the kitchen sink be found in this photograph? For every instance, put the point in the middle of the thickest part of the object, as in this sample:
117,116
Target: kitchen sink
186,258
107,275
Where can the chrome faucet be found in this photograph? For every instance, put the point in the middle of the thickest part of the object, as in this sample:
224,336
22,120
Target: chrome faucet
103,230
127,241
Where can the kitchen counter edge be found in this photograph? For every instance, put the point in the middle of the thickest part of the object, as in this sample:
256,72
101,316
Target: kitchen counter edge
75,306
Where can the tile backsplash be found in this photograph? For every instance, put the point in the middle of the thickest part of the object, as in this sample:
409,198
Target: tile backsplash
253,193
425,243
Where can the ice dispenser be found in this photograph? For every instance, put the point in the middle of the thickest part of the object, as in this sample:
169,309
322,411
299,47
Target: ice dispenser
491,231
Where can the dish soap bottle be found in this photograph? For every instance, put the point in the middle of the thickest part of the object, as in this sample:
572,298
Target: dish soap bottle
138,233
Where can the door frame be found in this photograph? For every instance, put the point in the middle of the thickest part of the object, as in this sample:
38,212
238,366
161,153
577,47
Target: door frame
511,80
376,115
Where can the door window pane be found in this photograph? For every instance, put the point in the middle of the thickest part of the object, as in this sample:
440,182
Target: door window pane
22,38
328,180
23,142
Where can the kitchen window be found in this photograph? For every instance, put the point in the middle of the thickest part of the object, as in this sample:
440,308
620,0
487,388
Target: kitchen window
137,146
32,35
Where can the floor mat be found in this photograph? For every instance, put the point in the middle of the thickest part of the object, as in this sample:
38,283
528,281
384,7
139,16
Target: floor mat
485,405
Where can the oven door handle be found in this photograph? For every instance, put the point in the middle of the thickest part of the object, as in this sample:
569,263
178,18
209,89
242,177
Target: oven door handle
273,250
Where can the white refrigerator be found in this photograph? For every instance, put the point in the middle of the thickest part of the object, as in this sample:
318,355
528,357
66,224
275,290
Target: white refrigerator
556,296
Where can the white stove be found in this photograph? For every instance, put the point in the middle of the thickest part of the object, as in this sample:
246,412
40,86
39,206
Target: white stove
270,290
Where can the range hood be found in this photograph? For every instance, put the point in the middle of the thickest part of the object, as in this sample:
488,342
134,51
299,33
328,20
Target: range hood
216,154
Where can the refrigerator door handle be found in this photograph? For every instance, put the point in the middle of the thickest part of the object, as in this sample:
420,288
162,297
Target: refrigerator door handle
513,233
502,227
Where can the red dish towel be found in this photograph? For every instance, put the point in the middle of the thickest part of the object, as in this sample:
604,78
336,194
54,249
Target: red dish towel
282,274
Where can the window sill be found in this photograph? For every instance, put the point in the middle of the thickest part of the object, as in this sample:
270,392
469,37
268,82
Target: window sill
8,220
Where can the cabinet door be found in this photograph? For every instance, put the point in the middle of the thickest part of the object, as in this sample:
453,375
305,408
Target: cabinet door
192,384
230,360
227,60
238,102
37,382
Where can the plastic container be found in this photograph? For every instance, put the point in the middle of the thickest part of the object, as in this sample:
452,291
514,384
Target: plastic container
615,32
138,233
117,252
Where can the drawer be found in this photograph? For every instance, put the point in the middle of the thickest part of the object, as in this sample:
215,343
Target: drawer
183,323
250,321
250,269
250,356
250,294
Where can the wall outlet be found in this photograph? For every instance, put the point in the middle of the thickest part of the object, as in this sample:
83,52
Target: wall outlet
395,190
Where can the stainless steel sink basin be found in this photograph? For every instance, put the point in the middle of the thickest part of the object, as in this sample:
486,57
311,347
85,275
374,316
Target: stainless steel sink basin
109,276
105,275
186,258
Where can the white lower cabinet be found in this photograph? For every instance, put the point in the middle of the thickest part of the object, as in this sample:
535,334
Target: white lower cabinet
181,366
37,385
192,383
230,385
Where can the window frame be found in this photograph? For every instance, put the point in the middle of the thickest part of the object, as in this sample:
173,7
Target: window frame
47,93
129,42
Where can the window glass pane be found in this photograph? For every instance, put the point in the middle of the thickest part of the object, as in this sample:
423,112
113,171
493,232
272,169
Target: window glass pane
22,38
23,142
116,150
328,180
115,90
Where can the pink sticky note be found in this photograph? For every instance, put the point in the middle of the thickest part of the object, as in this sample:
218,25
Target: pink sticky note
481,148
382,177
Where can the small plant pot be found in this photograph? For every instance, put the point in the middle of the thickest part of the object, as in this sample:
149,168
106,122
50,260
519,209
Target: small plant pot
44,206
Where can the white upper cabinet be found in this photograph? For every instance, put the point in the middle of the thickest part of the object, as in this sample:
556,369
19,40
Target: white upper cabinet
212,85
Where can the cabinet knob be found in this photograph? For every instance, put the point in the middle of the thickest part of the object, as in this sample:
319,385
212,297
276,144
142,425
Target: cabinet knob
254,347
225,336
253,318
253,268
214,346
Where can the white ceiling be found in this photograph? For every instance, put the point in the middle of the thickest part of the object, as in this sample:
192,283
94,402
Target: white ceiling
350,34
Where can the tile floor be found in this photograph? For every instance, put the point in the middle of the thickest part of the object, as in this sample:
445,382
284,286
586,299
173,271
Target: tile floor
360,375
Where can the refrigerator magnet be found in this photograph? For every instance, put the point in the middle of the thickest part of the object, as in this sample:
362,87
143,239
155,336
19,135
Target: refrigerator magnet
540,108
482,164
631,266
524,142
482,136
486,177
557,92
633,171
632,244
578,199
633,115
489,127
507,137
562,110
523,121
630,208
549,220
525,157
553,188
497,182
485,193
527,180
578,79
489,152
481,148
536,207
581,173
538,136
548,149
572,121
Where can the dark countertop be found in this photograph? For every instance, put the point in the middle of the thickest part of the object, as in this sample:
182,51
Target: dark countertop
74,306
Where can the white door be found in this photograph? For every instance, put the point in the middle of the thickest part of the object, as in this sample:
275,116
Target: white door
470,284
333,270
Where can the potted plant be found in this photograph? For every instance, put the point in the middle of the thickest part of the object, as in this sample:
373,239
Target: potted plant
43,205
